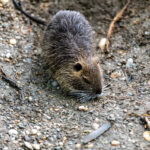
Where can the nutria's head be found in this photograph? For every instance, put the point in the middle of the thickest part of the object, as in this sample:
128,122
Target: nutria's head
82,78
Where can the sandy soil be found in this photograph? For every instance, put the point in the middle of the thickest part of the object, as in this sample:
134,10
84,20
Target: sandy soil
49,120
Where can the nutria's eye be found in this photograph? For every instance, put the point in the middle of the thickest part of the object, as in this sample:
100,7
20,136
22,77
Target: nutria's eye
77,67
86,80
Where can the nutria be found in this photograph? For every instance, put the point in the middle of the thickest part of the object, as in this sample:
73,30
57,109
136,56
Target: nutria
68,50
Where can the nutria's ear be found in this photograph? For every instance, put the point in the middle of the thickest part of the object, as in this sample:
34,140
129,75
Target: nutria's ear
96,59
77,67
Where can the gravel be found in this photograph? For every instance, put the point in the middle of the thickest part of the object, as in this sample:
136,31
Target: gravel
49,120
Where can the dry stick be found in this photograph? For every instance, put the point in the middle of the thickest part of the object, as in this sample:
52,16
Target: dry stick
96,133
148,122
116,18
12,83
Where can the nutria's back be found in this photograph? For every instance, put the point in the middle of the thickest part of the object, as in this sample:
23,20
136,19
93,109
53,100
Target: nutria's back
68,52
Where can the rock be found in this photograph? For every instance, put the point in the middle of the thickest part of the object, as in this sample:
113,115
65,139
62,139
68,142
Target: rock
30,98
8,55
54,84
111,117
114,75
34,131
83,108
146,136
26,138
28,145
24,30
12,132
97,120
95,126
5,25
115,143
78,145
6,60
37,127
4,1
125,110
129,63
102,43
36,146
12,41
90,145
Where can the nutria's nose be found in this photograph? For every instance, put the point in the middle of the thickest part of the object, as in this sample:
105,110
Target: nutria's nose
98,91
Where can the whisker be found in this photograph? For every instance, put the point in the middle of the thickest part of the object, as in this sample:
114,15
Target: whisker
106,86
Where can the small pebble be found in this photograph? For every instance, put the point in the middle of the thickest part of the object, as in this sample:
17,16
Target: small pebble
34,131
24,30
54,84
146,136
115,143
12,41
102,43
4,1
28,145
37,127
89,145
83,108
97,120
95,126
61,143
12,132
8,55
5,25
129,63
30,98
26,138
36,146
6,60
114,75
78,145
125,111
111,117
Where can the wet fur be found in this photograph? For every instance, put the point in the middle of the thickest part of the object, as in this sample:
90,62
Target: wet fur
68,40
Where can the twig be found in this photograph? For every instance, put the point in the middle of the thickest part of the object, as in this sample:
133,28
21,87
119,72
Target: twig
12,83
96,133
148,122
116,18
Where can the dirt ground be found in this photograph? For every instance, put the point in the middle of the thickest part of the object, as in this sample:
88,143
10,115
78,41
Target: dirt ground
49,120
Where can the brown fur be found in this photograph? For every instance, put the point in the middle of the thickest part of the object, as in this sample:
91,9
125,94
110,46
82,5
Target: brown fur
69,54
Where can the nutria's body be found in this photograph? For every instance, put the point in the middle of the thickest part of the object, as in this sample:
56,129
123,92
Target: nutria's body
68,52
67,47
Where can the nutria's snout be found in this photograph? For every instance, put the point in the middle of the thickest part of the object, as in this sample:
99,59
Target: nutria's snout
98,91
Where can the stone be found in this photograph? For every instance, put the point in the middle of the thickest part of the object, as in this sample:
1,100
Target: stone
4,1
102,43
34,131
78,145
146,136
95,126
36,146
28,145
8,55
83,108
12,41
13,132
54,84
129,63
115,143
